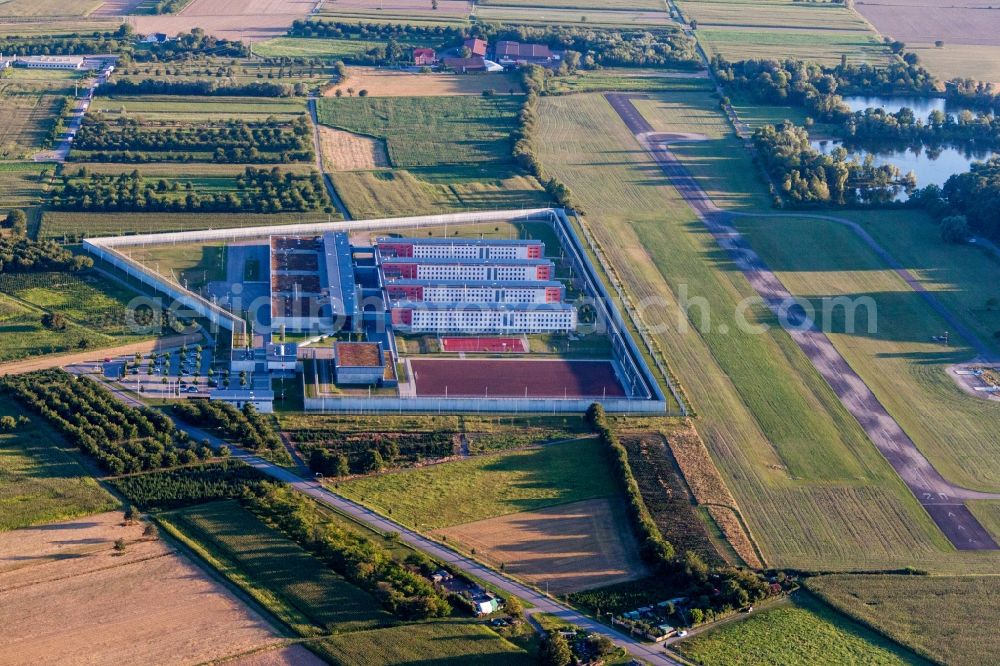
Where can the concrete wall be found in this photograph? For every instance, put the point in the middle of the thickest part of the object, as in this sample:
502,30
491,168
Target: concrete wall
472,405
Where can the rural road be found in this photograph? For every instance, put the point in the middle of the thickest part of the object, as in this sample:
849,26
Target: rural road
62,360
318,149
80,107
535,602
943,500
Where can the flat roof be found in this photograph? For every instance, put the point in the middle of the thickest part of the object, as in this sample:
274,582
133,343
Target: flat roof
472,261
462,306
417,240
358,355
519,284
339,272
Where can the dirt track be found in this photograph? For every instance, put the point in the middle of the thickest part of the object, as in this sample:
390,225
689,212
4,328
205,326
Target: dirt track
942,499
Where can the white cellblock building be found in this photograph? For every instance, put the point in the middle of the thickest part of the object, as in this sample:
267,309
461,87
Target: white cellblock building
460,248
483,270
424,317
510,292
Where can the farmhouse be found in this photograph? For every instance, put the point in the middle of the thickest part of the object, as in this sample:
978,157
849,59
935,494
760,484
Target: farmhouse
465,65
477,47
510,53
424,57
51,62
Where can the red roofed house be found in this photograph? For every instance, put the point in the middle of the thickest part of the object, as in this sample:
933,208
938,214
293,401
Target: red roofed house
476,46
424,57
515,53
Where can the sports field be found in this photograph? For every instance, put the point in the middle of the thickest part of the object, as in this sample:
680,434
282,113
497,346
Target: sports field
515,379
812,488
802,633
484,345
42,480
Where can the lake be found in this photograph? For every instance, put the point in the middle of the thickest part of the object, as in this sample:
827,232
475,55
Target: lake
932,167
921,106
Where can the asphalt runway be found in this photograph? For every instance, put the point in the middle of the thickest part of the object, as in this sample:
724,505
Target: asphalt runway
943,501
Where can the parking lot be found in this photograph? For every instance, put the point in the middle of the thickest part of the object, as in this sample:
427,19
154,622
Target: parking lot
172,373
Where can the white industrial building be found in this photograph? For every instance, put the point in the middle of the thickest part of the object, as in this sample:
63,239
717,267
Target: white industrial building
461,248
465,318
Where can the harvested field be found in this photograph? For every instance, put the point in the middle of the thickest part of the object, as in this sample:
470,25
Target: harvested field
732,527
569,548
955,22
515,379
47,8
293,655
395,83
346,151
114,8
67,597
230,19
403,7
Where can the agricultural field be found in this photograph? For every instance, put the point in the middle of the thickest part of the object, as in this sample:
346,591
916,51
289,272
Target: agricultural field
433,642
29,117
288,581
22,184
135,604
47,8
396,83
197,109
605,17
889,344
564,548
762,408
628,80
447,154
488,486
346,151
816,31
252,20
398,11
229,71
948,619
42,480
802,633
95,310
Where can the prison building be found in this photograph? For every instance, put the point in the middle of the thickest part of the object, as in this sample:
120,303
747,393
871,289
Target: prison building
359,363
452,268
464,248
444,291
51,62
465,318
313,286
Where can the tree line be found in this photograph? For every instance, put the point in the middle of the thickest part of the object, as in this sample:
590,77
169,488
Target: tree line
400,587
20,254
334,454
174,488
968,203
77,43
122,439
202,88
257,190
233,141
806,175
188,44
246,427
819,88
712,591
